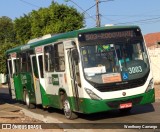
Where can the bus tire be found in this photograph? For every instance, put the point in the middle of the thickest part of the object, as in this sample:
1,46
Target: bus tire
27,100
69,114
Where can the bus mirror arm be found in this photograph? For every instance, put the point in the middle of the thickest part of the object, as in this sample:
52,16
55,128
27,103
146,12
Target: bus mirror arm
75,55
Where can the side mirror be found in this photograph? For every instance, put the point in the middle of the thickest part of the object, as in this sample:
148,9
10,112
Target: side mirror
75,55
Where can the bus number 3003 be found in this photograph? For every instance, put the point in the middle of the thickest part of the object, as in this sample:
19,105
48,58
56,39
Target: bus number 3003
136,69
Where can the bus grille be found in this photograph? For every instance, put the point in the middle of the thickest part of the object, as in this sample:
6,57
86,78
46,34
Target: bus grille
122,86
116,104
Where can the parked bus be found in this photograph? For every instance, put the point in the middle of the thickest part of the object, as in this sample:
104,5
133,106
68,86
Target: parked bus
83,71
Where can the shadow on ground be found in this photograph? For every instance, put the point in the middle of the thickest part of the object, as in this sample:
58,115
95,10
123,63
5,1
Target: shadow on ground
6,98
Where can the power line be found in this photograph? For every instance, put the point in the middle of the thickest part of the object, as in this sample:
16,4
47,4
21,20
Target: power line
112,15
89,9
29,3
147,20
138,14
97,10
80,8
108,18
154,19
143,20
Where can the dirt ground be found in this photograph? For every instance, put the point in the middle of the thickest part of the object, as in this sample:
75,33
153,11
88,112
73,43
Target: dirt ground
157,92
21,119
12,114
24,120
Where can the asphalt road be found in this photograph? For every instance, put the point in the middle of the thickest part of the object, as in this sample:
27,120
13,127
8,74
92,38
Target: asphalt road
149,113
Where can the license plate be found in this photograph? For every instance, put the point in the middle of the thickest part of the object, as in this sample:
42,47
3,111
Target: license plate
126,105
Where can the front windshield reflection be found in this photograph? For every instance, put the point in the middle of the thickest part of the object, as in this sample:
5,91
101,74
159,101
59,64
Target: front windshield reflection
108,63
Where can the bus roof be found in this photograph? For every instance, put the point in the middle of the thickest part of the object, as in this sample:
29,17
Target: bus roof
66,35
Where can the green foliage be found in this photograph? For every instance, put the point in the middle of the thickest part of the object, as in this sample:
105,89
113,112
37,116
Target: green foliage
52,20
64,18
7,39
22,27
7,33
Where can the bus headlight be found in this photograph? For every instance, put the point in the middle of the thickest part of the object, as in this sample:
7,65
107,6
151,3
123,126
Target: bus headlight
92,94
150,86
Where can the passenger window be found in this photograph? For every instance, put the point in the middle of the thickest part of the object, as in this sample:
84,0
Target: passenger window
10,67
40,59
35,67
16,65
48,58
25,61
59,57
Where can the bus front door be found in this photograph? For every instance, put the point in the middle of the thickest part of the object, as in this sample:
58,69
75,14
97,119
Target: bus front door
36,79
74,75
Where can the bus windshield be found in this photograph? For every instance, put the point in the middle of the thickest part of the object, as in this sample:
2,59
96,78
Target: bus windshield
114,62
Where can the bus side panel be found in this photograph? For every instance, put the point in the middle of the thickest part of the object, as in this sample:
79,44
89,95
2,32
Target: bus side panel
45,100
27,82
53,83
24,81
54,101
18,86
50,100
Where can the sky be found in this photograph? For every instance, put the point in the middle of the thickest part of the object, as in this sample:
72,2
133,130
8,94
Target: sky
144,13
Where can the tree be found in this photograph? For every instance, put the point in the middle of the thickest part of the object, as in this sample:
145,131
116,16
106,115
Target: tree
22,27
64,19
39,20
52,20
7,33
7,40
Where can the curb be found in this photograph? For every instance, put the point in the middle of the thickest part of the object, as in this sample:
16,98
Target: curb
45,119
157,100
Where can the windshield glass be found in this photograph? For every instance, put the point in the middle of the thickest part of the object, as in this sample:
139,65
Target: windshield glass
114,62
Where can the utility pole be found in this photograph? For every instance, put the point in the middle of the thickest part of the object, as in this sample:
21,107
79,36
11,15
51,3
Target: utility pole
98,23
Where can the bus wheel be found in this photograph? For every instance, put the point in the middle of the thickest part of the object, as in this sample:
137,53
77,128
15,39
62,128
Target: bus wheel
27,100
69,114
126,110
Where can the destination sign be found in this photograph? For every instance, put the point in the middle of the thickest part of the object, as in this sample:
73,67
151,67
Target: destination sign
106,35
13,55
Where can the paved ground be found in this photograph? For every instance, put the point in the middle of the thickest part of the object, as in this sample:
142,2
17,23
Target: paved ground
13,114
157,92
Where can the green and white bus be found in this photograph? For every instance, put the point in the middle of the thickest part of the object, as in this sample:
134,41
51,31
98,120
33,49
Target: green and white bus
83,71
